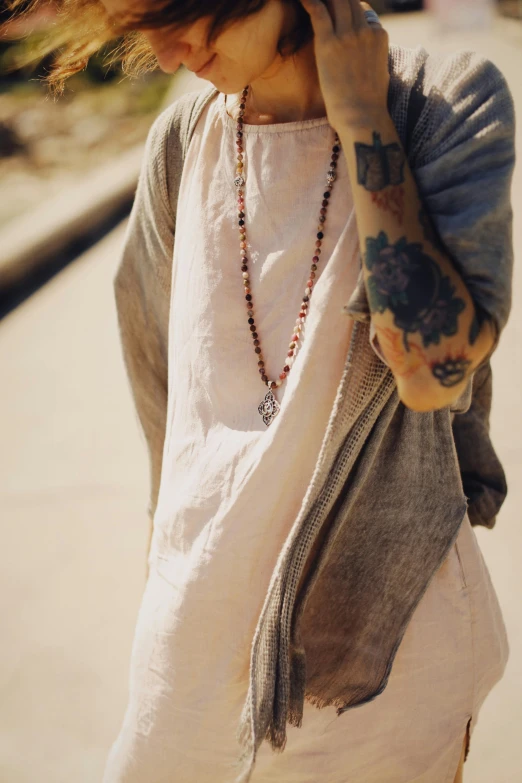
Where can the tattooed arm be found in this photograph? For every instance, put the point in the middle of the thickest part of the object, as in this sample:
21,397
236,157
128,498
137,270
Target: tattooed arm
428,327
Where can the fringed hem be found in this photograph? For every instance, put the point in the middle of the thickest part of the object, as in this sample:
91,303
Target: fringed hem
295,719
277,738
297,687
245,767
244,736
245,763
320,703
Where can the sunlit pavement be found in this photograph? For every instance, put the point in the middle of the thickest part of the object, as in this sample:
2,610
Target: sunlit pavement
73,495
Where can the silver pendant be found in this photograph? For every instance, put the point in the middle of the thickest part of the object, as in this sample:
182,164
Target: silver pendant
269,408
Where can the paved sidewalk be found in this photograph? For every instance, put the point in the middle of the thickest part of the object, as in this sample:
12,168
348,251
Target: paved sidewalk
30,242
73,495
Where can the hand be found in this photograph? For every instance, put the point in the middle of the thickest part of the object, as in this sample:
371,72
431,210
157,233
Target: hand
352,61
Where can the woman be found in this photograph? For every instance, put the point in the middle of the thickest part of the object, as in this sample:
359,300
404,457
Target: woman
311,543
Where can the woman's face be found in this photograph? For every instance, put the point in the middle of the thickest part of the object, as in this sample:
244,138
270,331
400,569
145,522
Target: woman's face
243,52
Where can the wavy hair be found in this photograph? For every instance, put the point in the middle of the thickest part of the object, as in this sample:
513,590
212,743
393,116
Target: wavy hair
79,29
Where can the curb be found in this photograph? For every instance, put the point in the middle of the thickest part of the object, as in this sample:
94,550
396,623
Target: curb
33,240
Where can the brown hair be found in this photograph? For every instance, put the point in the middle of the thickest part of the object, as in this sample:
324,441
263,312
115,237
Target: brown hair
81,28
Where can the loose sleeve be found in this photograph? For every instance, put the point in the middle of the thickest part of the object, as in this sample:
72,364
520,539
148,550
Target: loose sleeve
142,293
483,477
462,157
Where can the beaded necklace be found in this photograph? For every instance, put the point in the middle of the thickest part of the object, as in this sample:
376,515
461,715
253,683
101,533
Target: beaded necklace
269,407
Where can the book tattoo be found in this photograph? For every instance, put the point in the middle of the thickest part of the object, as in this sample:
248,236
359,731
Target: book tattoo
380,170
379,165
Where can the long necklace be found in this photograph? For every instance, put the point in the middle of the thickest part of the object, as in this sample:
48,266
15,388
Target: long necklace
269,407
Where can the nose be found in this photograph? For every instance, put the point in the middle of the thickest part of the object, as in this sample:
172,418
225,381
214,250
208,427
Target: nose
169,52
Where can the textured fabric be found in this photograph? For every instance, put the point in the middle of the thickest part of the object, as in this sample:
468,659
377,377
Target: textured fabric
462,155
453,653
142,284
230,488
369,584
482,474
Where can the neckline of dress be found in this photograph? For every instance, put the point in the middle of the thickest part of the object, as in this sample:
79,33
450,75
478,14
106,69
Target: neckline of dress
277,127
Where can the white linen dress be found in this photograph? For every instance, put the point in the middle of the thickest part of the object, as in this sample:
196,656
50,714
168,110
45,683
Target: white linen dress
231,489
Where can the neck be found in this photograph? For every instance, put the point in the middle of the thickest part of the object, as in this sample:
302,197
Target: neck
287,92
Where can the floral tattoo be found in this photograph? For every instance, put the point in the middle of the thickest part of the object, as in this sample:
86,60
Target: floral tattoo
450,371
474,329
410,284
430,233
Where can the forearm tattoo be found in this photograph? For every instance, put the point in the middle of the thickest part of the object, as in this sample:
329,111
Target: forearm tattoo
379,165
430,233
405,365
474,329
409,283
406,280
450,371
391,200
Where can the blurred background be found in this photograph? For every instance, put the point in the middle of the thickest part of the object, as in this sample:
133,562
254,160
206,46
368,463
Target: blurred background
73,463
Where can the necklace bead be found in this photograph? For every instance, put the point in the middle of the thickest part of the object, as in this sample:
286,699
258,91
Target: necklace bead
270,407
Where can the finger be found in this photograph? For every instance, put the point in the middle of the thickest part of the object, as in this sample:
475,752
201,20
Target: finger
342,15
357,13
320,17
371,17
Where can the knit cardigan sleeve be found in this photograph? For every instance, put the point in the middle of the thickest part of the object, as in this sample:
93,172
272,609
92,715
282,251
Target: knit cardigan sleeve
463,155
142,293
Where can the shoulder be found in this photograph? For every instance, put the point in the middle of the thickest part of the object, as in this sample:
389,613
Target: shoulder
460,96
447,74
466,82
168,138
175,121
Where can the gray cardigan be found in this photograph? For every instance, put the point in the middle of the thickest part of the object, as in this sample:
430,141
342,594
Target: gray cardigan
387,497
